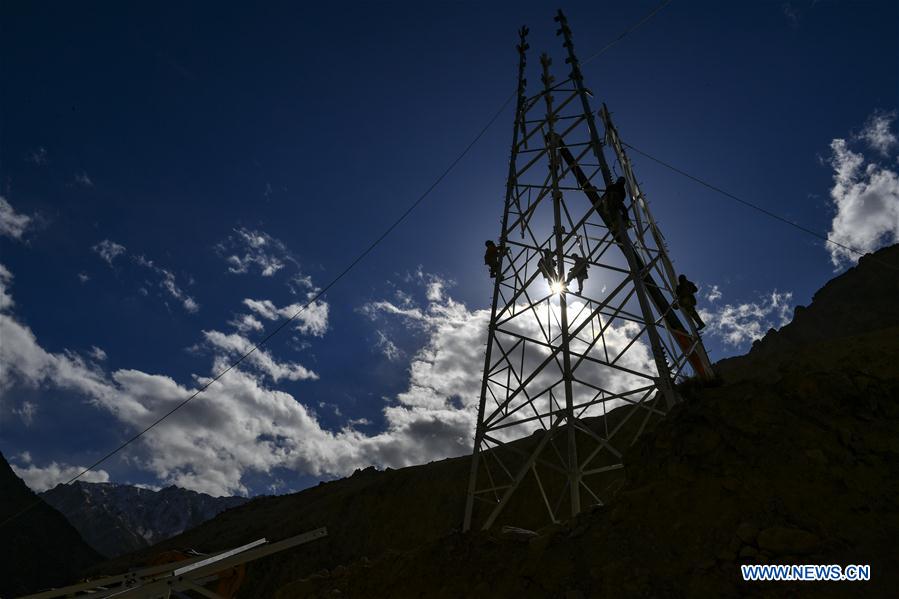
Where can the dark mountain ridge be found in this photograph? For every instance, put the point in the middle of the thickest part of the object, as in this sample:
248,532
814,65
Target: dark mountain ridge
116,519
38,547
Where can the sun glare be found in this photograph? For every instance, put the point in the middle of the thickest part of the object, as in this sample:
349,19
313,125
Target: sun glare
557,287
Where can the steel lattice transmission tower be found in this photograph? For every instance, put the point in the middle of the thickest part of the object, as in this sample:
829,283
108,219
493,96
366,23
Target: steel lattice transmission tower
572,378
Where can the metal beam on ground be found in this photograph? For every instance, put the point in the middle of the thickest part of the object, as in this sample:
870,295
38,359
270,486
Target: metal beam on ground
176,577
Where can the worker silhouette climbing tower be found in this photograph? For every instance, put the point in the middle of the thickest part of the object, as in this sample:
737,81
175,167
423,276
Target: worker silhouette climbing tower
572,378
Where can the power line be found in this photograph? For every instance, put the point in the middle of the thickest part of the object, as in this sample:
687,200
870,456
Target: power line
333,281
623,35
764,211
627,31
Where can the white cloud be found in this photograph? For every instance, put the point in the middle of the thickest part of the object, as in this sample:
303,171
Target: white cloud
313,320
83,277
302,284
791,13
388,347
6,301
372,309
435,290
12,224
83,179
97,354
168,284
242,425
435,416
331,406
878,133
38,156
26,412
148,487
236,426
714,294
26,363
865,196
248,248
109,250
737,324
42,479
246,323
235,345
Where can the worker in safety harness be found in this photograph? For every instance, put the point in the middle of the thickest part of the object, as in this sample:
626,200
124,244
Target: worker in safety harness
613,201
578,271
547,265
493,257
686,297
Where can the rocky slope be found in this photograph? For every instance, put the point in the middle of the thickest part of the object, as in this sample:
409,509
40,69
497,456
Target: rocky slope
793,459
853,313
117,519
39,547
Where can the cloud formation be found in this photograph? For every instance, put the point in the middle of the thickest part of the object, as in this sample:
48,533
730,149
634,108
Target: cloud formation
251,249
738,324
165,279
235,345
865,193
12,223
109,250
387,347
242,424
308,320
445,374
41,479
83,179
6,301
38,156
26,412
167,283
878,132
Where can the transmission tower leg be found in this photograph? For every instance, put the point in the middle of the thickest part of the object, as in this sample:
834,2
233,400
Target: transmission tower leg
510,190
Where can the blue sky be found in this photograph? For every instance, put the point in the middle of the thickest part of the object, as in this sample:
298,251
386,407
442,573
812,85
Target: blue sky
175,177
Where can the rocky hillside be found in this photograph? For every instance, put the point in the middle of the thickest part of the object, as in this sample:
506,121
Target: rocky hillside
40,548
793,459
853,314
117,519
367,514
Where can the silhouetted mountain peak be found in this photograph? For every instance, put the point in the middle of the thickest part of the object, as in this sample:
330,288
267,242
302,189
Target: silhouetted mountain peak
118,518
40,547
